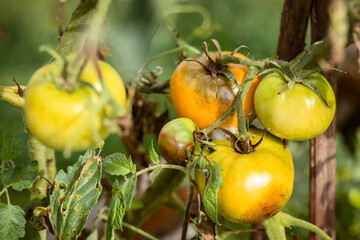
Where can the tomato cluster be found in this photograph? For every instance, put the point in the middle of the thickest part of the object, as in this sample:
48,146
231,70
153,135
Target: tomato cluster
258,181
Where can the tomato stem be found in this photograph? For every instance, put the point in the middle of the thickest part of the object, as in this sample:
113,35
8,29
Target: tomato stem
275,226
168,166
243,134
187,211
139,231
12,96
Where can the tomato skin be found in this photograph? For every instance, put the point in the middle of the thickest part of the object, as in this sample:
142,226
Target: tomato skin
59,118
257,185
198,96
297,114
175,137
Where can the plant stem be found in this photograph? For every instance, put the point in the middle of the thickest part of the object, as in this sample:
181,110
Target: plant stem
139,231
154,197
187,211
243,134
77,30
11,95
274,228
168,166
46,159
288,220
225,59
7,196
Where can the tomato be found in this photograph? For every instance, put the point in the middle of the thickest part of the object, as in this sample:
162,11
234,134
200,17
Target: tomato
297,114
198,96
175,137
256,185
63,119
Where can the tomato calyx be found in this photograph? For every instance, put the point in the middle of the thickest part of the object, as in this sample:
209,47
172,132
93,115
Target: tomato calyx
242,146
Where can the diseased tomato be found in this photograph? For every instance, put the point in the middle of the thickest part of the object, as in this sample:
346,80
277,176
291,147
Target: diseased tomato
195,94
296,114
256,185
175,137
63,119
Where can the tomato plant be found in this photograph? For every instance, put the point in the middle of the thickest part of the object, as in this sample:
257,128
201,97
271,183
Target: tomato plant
204,98
60,118
175,138
256,185
298,113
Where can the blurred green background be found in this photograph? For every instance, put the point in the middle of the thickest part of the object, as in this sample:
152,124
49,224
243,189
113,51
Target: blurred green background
136,31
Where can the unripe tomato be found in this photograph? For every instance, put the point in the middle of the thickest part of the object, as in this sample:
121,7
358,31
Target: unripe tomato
59,118
256,185
198,96
296,114
175,137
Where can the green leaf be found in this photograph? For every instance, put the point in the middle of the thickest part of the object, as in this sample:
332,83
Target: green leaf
128,189
302,59
21,177
154,158
116,212
197,148
11,147
154,174
213,183
12,222
75,194
120,201
118,164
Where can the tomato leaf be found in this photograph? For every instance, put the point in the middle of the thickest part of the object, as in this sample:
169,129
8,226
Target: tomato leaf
154,174
197,148
154,158
118,164
75,194
128,189
213,183
120,201
12,222
11,147
116,212
21,177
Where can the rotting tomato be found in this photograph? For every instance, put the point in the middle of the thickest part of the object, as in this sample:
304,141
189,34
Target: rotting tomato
195,94
175,137
63,119
257,185
298,113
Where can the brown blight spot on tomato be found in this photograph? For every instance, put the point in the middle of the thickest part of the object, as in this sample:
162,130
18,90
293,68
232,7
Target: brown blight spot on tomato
195,94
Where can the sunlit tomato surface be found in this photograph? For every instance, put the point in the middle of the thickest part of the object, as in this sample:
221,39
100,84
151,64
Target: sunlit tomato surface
297,114
61,119
175,137
198,96
256,185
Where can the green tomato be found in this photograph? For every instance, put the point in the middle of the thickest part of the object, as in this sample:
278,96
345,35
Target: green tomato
297,114
175,138
72,120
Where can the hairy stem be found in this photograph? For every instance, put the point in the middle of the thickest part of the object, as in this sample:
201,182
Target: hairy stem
11,95
77,30
188,204
46,159
243,134
167,166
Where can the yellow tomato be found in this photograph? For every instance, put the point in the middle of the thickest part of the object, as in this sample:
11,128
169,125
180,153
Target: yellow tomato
257,185
70,119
